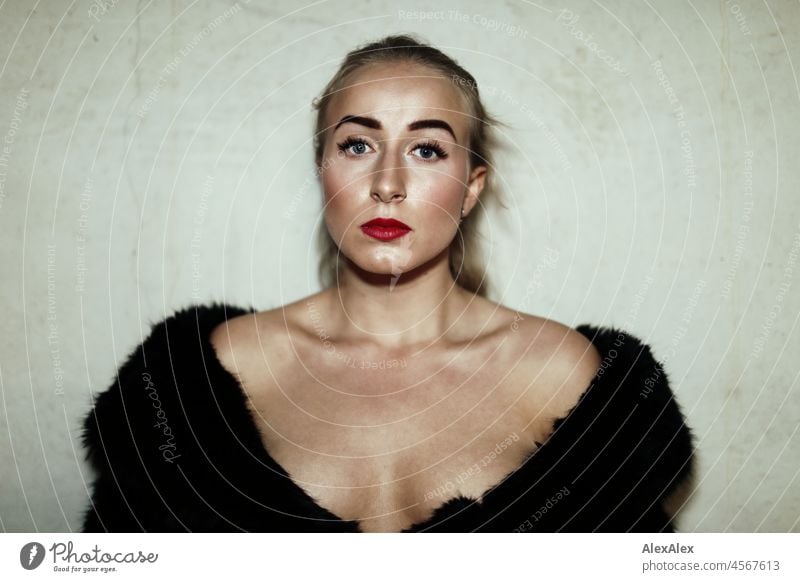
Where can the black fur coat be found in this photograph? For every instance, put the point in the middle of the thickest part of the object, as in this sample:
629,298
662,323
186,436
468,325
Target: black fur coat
175,448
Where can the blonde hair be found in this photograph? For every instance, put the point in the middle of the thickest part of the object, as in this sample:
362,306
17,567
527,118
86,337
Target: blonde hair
466,264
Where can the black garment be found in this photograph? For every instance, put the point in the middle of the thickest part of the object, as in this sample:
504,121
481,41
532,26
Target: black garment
175,448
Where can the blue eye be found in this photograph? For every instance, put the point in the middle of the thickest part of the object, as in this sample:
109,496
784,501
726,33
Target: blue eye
432,146
355,145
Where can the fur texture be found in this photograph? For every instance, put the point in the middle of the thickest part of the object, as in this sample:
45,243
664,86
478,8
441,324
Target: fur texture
175,448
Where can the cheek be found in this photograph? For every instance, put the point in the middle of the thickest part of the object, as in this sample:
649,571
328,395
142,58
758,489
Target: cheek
442,194
342,183
337,188
341,200
333,182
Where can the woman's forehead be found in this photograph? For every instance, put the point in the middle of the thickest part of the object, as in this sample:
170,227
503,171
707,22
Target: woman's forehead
399,95
411,81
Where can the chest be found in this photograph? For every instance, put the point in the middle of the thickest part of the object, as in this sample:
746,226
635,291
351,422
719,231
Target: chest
387,449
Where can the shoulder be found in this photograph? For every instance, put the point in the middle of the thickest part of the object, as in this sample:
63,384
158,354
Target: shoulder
182,329
594,353
628,362
563,352
248,339
169,416
559,364
154,368
603,363
619,405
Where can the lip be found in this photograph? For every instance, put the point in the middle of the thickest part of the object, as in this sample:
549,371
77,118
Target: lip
385,228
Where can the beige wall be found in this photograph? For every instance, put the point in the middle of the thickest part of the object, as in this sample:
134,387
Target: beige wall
158,158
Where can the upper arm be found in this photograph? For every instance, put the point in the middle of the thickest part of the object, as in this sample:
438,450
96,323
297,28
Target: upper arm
128,436
111,449
652,451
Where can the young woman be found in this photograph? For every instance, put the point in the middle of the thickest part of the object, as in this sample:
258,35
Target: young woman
399,398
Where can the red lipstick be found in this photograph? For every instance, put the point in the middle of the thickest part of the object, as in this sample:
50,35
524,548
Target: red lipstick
385,228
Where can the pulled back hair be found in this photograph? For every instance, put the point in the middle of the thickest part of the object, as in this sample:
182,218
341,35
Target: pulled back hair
465,261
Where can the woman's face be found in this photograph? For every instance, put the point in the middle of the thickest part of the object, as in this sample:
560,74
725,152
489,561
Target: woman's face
403,154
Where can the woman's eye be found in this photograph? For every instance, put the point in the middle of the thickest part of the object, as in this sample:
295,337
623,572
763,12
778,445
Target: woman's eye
431,151
353,146
426,152
358,148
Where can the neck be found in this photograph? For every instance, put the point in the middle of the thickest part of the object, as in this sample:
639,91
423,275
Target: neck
419,306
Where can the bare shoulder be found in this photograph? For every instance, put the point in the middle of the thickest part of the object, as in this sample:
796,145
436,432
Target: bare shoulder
570,355
250,339
550,344
561,362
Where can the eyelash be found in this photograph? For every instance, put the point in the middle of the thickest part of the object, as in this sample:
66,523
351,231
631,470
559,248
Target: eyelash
430,144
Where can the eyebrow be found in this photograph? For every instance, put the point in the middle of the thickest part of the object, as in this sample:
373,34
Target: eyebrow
413,126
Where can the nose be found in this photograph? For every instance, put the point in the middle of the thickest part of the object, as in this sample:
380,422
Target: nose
388,183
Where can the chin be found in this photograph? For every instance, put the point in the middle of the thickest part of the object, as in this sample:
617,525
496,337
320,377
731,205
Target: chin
387,263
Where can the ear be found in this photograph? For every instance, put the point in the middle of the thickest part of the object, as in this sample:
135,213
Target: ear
475,185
